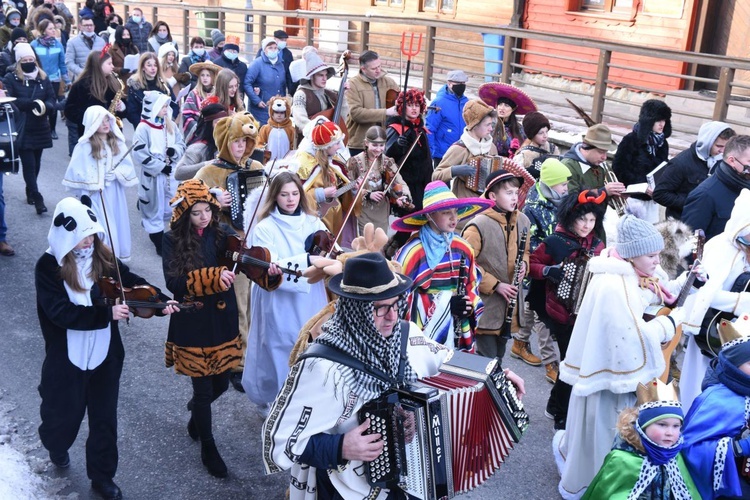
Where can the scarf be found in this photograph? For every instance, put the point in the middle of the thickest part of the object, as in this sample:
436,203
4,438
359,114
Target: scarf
194,58
435,244
653,142
549,194
47,41
477,147
352,330
731,178
723,371
657,454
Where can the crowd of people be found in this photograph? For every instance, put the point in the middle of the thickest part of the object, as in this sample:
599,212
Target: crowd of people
390,231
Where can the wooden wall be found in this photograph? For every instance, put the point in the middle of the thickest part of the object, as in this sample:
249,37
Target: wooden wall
645,31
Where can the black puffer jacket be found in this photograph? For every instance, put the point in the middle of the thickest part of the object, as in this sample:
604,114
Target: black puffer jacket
33,131
683,174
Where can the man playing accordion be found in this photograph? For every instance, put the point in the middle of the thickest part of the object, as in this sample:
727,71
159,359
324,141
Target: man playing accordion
313,427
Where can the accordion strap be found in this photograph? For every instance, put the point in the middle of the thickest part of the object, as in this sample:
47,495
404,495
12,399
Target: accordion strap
336,355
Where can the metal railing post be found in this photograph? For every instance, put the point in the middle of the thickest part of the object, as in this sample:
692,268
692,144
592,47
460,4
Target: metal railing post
508,59
429,59
600,88
723,94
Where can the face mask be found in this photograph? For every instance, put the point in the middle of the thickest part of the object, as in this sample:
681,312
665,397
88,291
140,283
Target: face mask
199,52
272,54
126,41
28,67
162,37
113,25
15,22
281,45
231,55
90,35
136,19
83,253
459,89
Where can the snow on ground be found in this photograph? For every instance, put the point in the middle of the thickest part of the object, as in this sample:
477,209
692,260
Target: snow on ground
20,468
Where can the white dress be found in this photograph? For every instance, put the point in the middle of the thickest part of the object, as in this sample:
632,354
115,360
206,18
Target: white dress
278,316
611,350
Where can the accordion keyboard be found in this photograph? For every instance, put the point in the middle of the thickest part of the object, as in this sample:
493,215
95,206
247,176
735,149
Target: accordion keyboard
380,470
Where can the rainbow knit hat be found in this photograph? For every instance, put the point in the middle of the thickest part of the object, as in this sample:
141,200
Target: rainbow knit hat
438,197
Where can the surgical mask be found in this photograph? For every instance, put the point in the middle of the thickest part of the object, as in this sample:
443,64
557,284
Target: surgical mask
199,52
90,35
137,19
231,55
272,54
459,89
281,45
15,22
28,67
162,37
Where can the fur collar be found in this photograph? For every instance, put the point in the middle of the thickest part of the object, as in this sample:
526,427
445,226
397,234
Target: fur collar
606,264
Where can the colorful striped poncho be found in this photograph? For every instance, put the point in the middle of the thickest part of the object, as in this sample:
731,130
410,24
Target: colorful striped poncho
429,283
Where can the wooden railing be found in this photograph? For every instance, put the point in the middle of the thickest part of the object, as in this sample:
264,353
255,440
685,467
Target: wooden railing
446,44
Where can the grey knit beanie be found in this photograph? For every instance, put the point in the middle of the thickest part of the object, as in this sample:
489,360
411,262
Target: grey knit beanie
636,237
216,37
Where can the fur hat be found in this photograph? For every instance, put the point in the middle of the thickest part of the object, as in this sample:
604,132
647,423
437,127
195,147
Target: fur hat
325,134
234,127
217,37
232,42
578,203
166,49
475,111
553,172
188,194
73,220
653,111
24,50
598,136
534,122
636,237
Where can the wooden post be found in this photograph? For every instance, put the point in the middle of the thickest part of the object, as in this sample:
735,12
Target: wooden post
600,89
261,29
155,14
508,59
309,30
186,27
723,94
429,59
222,22
364,36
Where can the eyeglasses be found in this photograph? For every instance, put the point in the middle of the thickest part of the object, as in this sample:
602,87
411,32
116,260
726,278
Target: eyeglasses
384,309
745,168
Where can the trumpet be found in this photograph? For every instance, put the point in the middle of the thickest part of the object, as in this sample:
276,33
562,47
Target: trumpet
617,201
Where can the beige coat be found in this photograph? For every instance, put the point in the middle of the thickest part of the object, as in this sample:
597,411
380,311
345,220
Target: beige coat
362,112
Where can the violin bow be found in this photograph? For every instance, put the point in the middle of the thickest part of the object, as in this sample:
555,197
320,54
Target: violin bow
109,233
260,200
351,209
403,161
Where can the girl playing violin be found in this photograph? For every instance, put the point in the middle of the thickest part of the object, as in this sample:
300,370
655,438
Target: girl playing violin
84,351
206,344
285,226
375,205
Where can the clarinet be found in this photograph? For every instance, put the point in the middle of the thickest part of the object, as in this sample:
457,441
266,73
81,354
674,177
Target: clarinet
505,333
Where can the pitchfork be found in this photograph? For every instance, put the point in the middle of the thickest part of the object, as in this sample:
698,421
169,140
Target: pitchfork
409,53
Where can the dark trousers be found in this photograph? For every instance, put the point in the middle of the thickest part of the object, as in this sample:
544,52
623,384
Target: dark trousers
206,390
559,396
31,162
67,393
53,113
326,491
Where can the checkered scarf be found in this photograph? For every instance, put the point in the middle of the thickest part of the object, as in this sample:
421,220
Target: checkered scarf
351,329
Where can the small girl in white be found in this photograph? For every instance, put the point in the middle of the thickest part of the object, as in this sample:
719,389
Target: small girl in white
99,169
159,146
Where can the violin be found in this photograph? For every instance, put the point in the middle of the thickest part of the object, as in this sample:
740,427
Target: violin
390,98
324,244
253,262
397,191
142,300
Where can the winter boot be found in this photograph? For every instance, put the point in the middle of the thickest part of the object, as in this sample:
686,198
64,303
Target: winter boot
552,371
29,196
212,460
522,351
156,239
39,203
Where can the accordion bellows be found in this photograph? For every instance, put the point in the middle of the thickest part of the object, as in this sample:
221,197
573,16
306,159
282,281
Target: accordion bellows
446,434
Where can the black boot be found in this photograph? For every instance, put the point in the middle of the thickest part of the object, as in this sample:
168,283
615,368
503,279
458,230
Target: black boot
39,203
29,196
192,429
156,239
212,460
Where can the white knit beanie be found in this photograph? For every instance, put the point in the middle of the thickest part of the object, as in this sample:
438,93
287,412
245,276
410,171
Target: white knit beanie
24,50
636,237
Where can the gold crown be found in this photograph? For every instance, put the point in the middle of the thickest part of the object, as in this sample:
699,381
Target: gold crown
739,329
656,391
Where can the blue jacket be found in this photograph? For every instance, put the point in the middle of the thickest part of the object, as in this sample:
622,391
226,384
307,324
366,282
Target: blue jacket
237,66
271,78
710,205
447,124
53,60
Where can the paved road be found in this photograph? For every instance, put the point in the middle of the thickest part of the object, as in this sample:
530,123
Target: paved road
157,458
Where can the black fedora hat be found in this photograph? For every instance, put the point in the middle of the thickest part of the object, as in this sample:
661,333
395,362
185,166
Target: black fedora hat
369,277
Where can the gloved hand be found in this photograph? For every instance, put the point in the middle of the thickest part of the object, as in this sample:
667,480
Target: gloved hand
403,141
699,271
678,316
461,170
460,307
553,273
171,152
167,170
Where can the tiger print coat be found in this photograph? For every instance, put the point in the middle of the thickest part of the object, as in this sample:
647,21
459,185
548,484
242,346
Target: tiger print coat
206,341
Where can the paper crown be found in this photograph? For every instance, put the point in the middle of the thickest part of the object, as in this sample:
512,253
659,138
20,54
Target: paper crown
734,332
655,393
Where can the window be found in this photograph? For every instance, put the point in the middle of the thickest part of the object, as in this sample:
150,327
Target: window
607,5
389,3
445,6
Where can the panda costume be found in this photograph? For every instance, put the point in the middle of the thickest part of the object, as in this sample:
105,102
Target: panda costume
84,351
